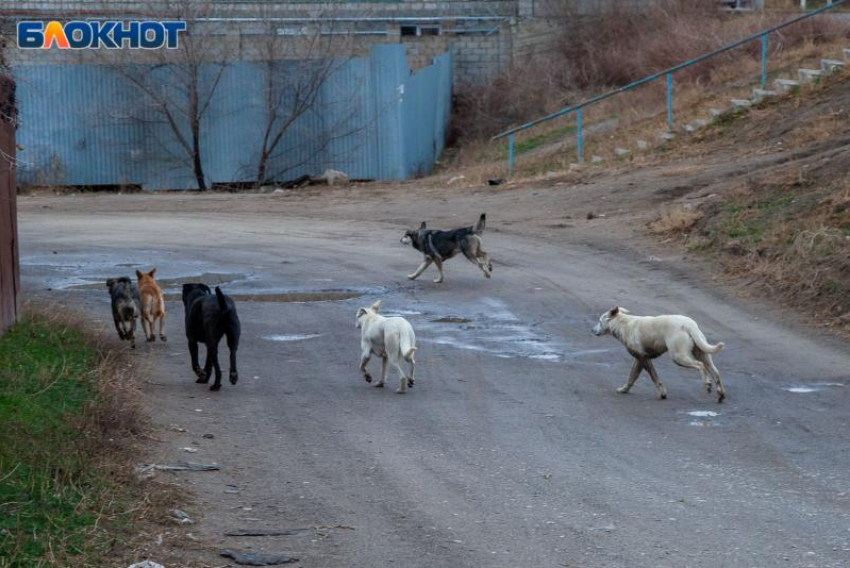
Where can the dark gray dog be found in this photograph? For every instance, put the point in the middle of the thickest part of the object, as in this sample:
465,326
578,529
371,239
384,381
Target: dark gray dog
437,246
125,307
209,317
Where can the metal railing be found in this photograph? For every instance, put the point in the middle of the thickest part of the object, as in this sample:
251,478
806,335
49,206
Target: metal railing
578,109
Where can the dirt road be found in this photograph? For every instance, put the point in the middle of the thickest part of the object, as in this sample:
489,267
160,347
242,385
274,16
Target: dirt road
513,449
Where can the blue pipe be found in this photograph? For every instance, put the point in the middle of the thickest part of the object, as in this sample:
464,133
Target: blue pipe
510,154
579,136
764,61
669,102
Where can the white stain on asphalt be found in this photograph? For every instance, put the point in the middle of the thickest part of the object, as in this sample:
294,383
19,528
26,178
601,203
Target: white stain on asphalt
294,337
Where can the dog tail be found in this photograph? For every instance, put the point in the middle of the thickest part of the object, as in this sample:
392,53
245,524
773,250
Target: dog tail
408,353
222,304
703,344
479,226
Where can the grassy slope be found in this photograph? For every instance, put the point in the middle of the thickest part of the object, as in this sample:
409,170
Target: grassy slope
785,227
57,499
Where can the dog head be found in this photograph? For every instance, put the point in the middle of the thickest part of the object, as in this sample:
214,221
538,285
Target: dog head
146,277
115,283
364,312
412,236
603,327
193,291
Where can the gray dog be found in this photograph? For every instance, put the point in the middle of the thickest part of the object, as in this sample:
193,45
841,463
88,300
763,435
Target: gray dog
125,307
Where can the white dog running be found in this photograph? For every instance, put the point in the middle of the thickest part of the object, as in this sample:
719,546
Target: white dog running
649,337
388,338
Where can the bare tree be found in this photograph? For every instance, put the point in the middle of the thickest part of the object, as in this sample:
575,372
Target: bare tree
297,64
177,86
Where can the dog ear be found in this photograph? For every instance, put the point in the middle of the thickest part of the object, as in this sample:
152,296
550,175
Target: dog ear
614,311
151,273
110,282
422,226
376,306
361,312
138,273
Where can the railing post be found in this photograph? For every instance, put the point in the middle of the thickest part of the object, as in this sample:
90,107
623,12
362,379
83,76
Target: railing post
764,61
579,136
669,102
510,155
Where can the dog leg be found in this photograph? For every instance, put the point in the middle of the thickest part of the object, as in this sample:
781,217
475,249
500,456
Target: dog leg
196,367
412,364
383,371
402,385
721,393
233,346
162,336
425,264
483,260
439,264
364,360
208,364
118,327
633,375
685,359
650,368
133,333
212,350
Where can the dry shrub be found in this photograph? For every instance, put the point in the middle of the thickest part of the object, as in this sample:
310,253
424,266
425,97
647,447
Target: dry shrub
675,220
621,45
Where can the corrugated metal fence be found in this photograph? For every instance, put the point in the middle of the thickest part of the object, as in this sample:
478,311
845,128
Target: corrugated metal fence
9,277
375,119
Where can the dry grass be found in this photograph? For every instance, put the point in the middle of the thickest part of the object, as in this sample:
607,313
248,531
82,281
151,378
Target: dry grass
640,114
675,220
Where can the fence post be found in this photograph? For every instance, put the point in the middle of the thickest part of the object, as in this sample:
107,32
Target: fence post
510,155
669,102
579,136
764,61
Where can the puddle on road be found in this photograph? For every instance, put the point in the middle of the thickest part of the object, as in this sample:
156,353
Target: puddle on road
285,297
702,418
211,279
487,327
451,319
294,337
801,389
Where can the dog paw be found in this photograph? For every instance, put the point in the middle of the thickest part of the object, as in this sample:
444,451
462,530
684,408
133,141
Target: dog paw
379,385
490,267
367,377
411,277
438,281
203,379
163,338
720,397
151,338
663,396
215,387
410,383
234,378
708,388
132,345
399,391
623,390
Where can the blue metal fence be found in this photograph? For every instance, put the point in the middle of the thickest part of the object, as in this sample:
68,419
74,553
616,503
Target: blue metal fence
375,119
761,36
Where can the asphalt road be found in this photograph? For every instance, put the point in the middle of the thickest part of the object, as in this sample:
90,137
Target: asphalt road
513,449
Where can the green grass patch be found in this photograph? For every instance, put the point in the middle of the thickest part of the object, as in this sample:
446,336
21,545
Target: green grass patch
54,498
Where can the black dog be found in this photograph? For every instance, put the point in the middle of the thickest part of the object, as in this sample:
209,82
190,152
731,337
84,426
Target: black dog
208,317
125,307
437,246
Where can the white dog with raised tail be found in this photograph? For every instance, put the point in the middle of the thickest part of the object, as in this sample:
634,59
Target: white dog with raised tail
389,338
649,337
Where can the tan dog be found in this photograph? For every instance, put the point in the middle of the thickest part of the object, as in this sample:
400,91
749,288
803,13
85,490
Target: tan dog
152,305
649,337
